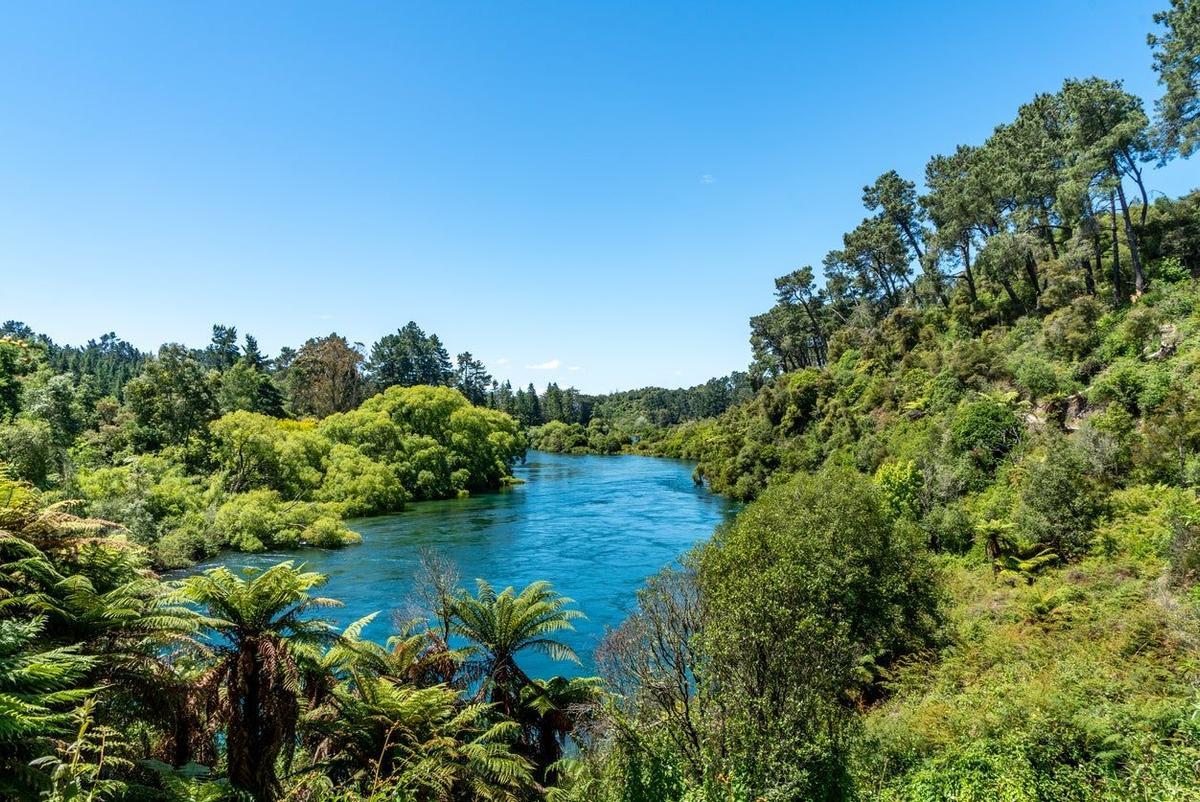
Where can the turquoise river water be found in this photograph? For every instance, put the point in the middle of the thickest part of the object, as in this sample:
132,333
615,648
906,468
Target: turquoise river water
594,526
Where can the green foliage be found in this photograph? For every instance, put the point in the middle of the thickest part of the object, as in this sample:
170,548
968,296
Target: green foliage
1052,691
260,634
901,487
172,401
985,430
38,689
1176,57
1058,501
1138,386
814,567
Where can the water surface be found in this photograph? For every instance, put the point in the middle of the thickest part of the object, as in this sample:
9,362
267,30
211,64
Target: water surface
594,526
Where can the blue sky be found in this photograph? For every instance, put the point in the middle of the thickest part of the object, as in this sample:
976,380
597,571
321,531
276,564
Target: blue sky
593,193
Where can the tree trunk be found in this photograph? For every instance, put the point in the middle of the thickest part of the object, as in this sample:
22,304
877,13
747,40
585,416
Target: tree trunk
967,273
1048,227
1139,278
1141,185
1116,248
912,240
1089,279
1012,296
1031,272
822,348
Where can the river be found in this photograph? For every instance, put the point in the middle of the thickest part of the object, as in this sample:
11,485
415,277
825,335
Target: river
594,526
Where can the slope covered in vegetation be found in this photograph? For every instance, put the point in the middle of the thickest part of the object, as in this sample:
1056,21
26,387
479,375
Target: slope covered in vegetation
968,570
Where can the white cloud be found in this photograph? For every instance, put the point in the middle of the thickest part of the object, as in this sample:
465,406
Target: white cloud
706,179
574,368
502,360
548,365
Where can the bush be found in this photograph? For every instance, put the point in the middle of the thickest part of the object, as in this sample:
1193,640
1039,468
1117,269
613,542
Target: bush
1037,377
1147,521
901,486
253,521
328,532
27,448
814,568
986,430
1071,332
1058,502
1140,387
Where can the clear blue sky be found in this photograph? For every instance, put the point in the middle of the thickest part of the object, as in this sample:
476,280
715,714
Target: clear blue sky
605,190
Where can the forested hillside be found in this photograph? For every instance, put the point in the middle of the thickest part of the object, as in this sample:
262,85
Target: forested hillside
608,424
968,570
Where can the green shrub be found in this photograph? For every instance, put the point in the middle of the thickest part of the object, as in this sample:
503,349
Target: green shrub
1145,521
1140,387
814,567
328,532
1071,332
901,486
253,521
985,429
1058,502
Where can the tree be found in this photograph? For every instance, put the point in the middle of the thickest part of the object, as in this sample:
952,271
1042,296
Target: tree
552,403
872,268
503,398
246,386
793,333
1177,62
254,356
953,204
500,626
261,635
804,595
1059,502
552,710
222,352
387,726
471,378
16,360
408,358
651,661
324,378
528,407
1107,135
172,401
896,202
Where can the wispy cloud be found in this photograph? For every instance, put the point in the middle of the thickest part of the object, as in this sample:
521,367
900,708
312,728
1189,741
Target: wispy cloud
574,368
707,179
502,360
551,364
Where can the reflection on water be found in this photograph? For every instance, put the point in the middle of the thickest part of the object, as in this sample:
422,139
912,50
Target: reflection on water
594,526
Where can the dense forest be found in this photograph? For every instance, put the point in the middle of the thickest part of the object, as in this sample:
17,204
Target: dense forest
968,567
193,451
